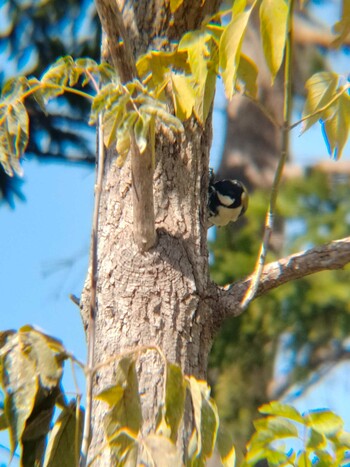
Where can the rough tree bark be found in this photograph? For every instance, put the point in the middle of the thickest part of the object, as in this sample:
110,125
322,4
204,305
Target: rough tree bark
157,297
163,296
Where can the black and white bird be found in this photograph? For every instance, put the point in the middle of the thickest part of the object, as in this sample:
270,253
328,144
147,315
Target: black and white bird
227,201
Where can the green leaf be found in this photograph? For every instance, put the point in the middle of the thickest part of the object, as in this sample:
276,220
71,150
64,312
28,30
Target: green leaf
270,428
174,401
321,88
282,410
48,358
196,387
324,422
65,438
123,421
31,370
230,49
205,417
273,26
20,384
3,421
226,448
275,457
209,427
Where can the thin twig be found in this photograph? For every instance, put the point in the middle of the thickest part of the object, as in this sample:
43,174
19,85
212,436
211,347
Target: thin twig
92,307
269,220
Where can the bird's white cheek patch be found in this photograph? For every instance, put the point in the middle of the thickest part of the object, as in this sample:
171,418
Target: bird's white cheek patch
225,200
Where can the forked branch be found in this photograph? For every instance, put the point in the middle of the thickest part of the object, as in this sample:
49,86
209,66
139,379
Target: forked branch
334,255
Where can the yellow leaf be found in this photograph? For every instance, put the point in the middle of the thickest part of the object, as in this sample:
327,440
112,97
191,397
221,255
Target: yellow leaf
336,126
238,7
196,45
204,97
230,50
273,26
154,66
175,4
342,27
183,95
248,74
321,88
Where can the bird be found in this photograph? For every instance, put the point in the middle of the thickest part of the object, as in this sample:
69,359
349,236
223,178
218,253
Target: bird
227,200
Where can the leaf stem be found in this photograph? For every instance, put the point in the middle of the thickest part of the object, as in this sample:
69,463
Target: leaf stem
269,220
322,109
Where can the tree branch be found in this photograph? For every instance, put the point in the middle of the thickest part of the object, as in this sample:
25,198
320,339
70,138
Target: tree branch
334,255
117,39
141,165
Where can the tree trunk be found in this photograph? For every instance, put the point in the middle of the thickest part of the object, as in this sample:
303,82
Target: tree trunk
158,297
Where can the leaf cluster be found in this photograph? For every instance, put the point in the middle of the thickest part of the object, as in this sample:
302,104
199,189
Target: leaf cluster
33,34
31,368
14,117
187,75
125,109
328,101
318,438
123,420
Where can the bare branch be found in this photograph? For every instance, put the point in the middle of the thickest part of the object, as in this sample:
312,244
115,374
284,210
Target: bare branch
142,199
310,32
334,255
142,169
117,39
92,304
